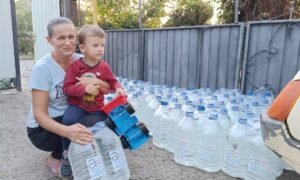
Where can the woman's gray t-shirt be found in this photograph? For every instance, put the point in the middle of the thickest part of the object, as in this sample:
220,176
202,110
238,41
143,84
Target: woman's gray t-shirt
48,75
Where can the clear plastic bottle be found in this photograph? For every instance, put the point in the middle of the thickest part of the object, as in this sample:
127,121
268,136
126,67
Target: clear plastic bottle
176,115
237,149
113,154
185,140
160,122
103,159
149,113
263,163
211,141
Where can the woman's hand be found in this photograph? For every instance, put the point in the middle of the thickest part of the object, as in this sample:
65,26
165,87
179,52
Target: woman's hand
121,92
79,134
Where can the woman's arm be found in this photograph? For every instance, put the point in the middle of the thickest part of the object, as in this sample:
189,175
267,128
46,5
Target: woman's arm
77,132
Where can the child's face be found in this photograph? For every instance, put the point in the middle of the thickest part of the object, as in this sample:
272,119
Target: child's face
93,48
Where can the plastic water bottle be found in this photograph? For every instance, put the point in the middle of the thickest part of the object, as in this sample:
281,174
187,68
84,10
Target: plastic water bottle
185,140
149,113
176,115
237,149
269,96
113,154
234,113
224,120
255,108
211,141
263,163
188,106
160,121
103,159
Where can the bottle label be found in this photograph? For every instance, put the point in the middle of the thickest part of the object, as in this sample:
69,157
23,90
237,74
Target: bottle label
258,165
95,166
207,151
233,155
117,160
185,148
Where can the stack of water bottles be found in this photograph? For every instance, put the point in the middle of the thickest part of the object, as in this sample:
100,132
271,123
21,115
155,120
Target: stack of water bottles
209,130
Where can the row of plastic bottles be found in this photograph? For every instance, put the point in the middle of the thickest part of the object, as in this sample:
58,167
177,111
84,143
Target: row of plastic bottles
208,130
103,159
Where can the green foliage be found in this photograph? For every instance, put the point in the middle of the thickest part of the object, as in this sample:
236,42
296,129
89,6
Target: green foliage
225,11
152,11
253,10
24,25
124,14
190,13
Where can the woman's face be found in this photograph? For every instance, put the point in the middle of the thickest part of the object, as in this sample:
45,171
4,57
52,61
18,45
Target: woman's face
63,39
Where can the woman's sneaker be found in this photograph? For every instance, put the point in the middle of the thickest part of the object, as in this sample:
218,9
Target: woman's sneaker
65,170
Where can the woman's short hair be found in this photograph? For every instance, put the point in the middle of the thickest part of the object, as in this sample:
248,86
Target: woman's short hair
90,30
57,21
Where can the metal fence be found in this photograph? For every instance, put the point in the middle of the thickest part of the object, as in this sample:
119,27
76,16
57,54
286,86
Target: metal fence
227,56
192,57
271,55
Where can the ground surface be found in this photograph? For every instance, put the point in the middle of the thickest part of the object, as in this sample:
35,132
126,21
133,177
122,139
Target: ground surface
19,160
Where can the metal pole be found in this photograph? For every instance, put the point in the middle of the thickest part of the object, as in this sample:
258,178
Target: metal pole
79,13
140,15
95,20
236,11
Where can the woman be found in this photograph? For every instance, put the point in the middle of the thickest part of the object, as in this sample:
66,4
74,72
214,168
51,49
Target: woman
48,100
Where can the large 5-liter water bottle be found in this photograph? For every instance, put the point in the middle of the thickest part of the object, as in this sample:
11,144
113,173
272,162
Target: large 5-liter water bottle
136,103
160,122
113,154
263,163
224,120
188,106
149,113
211,141
176,115
103,159
237,149
185,140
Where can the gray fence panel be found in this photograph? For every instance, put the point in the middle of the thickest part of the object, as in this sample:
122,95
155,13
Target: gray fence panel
192,57
272,54
123,53
170,57
192,80
219,54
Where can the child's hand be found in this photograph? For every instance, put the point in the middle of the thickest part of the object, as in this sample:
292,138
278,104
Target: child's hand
86,80
92,89
121,92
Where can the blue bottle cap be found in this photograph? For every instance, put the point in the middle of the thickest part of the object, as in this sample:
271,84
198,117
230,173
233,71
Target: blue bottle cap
213,116
201,108
242,120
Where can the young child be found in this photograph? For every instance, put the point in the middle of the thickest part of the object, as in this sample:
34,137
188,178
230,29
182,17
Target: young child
87,99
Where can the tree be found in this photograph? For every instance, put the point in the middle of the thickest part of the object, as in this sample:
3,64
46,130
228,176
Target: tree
254,10
24,25
190,13
153,11
123,14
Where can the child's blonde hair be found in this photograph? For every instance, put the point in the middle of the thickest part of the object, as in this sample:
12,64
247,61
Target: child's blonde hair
90,30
